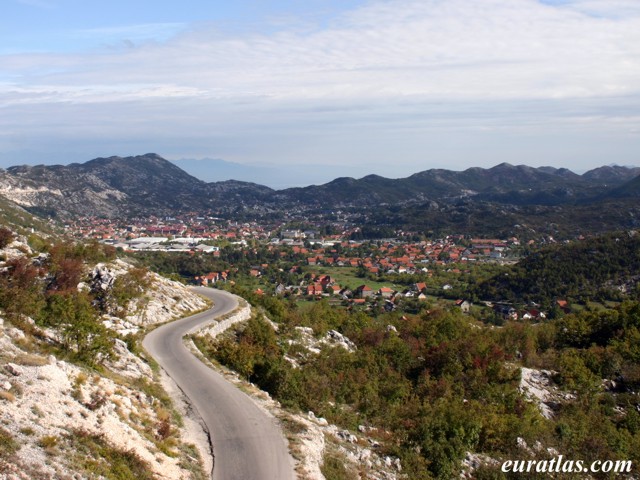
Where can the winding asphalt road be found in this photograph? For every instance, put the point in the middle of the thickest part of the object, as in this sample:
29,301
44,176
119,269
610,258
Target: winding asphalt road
247,444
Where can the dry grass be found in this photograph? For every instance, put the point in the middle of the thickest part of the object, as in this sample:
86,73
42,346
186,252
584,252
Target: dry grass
7,396
30,360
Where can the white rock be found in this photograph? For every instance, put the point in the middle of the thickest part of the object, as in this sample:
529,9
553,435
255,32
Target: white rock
16,334
13,369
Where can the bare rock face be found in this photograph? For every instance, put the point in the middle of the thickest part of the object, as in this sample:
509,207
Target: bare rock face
159,302
165,300
332,338
16,249
127,364
49,405
538,386
103,278
335,338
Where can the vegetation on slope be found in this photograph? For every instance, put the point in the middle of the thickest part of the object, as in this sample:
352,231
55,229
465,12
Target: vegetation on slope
598,268
51,305
438,385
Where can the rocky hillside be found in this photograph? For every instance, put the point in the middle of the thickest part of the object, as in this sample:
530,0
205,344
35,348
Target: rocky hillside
67,415
115,187
149,184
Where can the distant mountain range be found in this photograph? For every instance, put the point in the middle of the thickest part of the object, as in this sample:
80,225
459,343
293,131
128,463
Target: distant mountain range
148,184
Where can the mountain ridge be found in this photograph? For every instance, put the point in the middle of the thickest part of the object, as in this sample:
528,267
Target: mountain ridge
149,184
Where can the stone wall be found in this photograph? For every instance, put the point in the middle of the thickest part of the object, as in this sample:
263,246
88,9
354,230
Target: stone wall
244,313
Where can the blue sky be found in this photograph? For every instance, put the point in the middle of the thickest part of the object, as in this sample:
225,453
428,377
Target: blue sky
305,91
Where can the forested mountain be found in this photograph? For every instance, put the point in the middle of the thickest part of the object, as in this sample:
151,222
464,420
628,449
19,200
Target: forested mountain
603,267
148,184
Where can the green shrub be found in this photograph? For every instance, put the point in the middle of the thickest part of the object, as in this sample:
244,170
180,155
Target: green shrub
96,457
8,446
6,237
333,468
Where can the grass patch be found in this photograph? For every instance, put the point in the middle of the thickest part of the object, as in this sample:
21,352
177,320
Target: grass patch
49,444
192,462
96,457
7,396
30,360
8,446
346,277
333,468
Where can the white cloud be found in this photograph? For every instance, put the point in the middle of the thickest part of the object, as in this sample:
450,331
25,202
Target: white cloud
403,65
454,49
128,33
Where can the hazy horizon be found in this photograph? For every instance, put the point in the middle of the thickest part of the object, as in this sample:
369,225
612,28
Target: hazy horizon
386,87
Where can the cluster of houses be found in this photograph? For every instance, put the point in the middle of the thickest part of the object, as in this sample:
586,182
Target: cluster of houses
320,286
326,286
508,312
393,258
191,225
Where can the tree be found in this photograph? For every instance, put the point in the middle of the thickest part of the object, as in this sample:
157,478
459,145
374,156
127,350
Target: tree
83,332
6,237
20,288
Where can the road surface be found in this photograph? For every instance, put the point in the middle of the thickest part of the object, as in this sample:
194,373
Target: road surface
247,444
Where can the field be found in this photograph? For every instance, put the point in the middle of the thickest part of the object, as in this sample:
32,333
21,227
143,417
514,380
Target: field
346,277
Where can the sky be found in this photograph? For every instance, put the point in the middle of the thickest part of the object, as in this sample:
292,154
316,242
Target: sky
297,92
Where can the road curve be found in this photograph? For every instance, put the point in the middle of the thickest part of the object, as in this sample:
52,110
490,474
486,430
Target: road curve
247,444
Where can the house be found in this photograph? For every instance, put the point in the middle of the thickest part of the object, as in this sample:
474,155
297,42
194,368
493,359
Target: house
314,290
420,287
464,305
385,292
211,278
364,291
291,234
507,311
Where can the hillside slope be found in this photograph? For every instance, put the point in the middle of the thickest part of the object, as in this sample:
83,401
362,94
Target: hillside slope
76,398
603,267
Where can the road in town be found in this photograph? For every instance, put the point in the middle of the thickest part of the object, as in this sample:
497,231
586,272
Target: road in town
247,443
